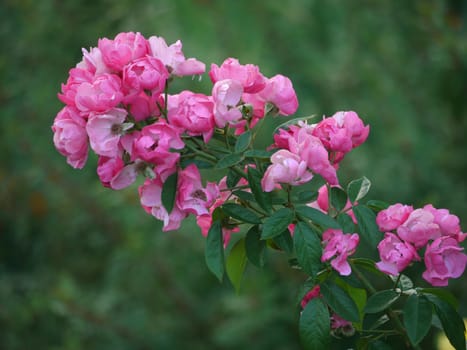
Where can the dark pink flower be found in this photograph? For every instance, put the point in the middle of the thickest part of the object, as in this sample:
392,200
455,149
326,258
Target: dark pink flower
124,48
337,247
313,293
395,254
391,218
76,77
145,73
247,75
280,92
193,113
100,95
444,259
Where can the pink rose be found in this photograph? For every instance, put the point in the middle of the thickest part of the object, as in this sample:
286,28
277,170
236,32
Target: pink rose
447,222
76,77
105,130
191,196
100,95
193,113
226,95
151,200
322,203
143,106
247,75
395,254
145,73
444,259
125,48
108,169
419,228
286,168
337,247
173,57
391,218
70,137
280,92
154,139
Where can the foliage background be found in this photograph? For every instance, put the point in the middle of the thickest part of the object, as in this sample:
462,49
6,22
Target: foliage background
84,267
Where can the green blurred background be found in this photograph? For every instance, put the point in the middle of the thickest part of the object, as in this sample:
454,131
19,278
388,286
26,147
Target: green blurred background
83,267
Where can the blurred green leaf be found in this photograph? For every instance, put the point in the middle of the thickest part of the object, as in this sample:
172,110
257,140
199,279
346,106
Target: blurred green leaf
235,264
214,251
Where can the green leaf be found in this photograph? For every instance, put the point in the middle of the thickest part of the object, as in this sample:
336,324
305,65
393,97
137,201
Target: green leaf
314,325
255,246
318,217
169,190
244,195
366,220
442,294
346,223
293,122
214,250
368,265
257,153
284,241
263,198
308,248
243,142
358,295
377,205
417,317
403,282
340,302
277,223
338,198
229,160
381,301
452,323
357,189
236,263
241,213
306,197
232,178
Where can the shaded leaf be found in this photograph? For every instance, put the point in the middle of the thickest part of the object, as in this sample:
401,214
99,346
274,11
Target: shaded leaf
340,302
314,325
235,264
255,246
229,160
214,250
366,221
308,248
284,241
169,190
257,153
277,223
241,213
417,317
357,189
381,300
316,216
338,198
243,141
263,198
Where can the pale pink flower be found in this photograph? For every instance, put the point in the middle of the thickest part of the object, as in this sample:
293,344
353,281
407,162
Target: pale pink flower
70,137
173,57
151,200
193,113
154,138
286,168
354,126
419,228
280,92
447,222
392,217
145,73
337,247
105,130
124,48
395,254
444,259
76,77
247,75
100,95
191,196
226,95
92,61
315,292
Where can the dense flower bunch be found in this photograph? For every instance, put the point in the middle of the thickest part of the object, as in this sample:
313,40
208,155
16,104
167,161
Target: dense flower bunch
119,103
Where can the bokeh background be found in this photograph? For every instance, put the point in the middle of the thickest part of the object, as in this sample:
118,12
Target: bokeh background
83,267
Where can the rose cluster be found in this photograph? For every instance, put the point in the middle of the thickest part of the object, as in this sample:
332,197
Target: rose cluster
117,102
409,232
